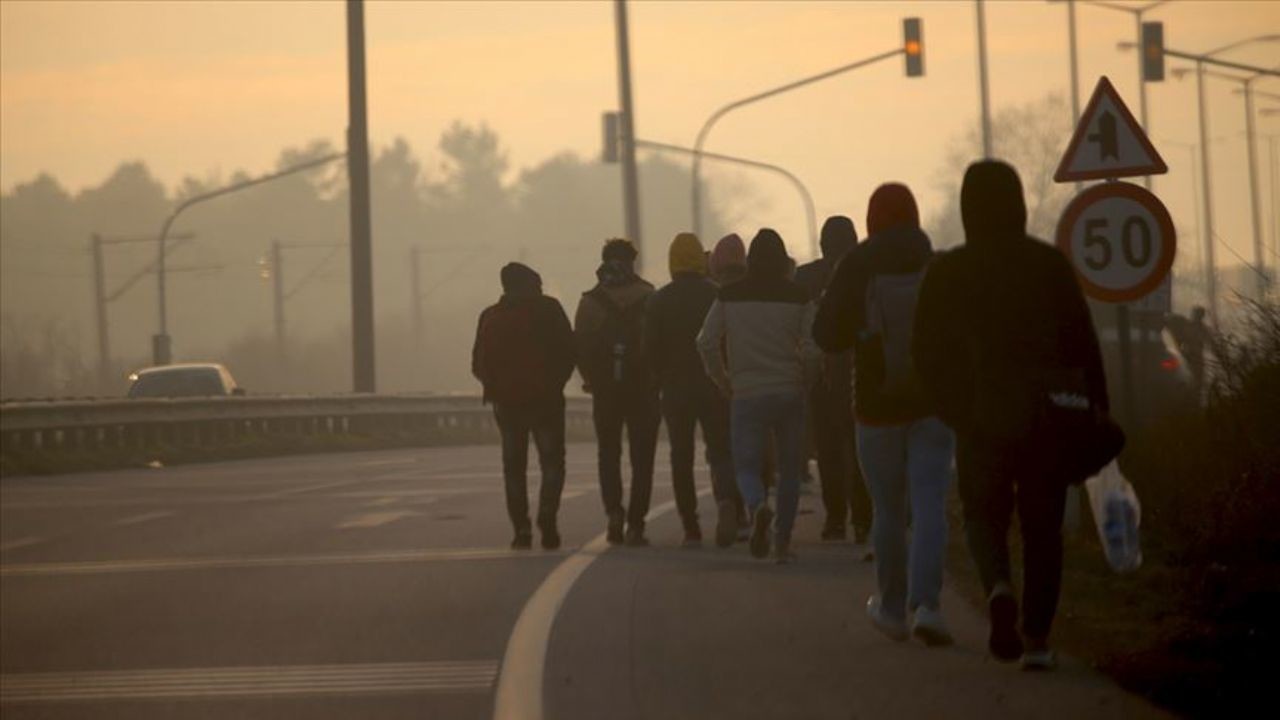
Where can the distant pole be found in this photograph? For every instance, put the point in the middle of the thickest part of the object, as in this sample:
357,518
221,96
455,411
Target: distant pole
415,297
982,80
1142,87
277,287
1210,278
362,331
100,309
630,181
1075,69
1255,204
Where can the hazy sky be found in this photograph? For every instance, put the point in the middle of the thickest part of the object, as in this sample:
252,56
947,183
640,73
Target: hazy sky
198,87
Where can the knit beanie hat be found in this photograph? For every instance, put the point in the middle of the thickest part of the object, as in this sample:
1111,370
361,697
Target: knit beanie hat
686,255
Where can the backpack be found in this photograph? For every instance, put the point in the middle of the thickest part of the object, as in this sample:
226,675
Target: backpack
891,311
515,358
615,360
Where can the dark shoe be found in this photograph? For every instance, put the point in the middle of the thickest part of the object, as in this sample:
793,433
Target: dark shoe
833,533
550,536
636,538
1004,643
726,525
616,523
693,536
522,541
782,553
760,526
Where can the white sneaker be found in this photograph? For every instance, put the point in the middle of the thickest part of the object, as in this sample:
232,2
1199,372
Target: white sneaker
931,628
895,630
1039,660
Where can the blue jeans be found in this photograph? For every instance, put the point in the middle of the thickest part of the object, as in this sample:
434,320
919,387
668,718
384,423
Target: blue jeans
755,419
901,461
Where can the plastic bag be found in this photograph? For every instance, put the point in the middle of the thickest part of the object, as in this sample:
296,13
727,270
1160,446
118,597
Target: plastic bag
1117,515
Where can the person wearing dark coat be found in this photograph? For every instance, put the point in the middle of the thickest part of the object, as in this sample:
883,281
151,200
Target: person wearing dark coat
906,452
1000,322
689,398
524,356
609,332
844,494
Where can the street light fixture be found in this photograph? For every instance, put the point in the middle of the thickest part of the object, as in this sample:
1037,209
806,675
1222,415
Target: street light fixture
1201,60
912,47
160,343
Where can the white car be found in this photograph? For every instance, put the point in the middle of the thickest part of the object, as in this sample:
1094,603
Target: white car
185,380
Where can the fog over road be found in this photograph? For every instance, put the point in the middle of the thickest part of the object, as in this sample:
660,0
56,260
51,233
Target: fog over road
380,585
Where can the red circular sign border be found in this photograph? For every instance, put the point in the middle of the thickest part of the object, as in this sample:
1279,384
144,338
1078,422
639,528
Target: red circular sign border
1157,209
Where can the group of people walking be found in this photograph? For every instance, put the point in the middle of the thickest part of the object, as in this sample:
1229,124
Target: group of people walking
902,366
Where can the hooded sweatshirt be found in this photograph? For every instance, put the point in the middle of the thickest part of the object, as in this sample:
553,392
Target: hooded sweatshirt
674,317
895,244
728,262
766,322
1001,316
523,352
618,284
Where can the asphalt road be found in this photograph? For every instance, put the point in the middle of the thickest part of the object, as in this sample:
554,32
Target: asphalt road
379,585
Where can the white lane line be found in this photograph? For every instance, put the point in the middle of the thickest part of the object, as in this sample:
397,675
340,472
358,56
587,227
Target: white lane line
389,461
455,676
374,519
519,691
573,494
20,543
98,567
144,517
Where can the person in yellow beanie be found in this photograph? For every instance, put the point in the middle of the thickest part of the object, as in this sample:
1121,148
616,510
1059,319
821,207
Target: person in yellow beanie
689,398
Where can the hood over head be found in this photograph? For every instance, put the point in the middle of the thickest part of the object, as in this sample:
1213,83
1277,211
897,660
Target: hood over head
729,253
686,255
520,279
891,205
838,237
768,255
991,203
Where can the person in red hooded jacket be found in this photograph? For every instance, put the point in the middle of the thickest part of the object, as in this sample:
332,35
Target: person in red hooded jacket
904,449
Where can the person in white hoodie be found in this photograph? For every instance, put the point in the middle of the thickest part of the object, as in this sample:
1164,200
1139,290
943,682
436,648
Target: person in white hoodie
765,322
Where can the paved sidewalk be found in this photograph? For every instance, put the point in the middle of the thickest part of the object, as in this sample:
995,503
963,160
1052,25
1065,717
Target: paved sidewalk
671,633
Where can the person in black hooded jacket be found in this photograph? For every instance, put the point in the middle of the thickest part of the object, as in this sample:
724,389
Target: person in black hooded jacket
997,321
524,355
844,494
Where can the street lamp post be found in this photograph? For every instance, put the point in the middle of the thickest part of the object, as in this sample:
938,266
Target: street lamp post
1201,60
805,196
983,85
160,345
725,109
630,178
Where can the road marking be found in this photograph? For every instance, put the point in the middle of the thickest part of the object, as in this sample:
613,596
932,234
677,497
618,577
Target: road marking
20,543
144,517
458,676
376,519
518,695
99,567
390,461
573,494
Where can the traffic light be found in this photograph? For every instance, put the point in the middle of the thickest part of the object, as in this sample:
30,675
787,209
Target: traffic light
1153,51
610,138
913,46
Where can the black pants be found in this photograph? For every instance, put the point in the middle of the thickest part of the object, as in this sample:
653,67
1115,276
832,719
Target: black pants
994,481
639,413
545,422
844,492
684,409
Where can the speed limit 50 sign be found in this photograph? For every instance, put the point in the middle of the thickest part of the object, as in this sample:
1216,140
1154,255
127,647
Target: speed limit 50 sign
1120,239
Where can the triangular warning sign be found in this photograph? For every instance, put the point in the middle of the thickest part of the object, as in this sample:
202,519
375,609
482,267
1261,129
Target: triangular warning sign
1108,142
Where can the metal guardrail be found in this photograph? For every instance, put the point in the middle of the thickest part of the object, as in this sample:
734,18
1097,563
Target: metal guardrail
88,425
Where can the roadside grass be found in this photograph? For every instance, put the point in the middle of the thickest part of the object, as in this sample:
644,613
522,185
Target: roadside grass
1195,628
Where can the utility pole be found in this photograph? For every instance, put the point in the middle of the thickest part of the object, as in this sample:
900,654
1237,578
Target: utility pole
100,309
1206,187
1259,255
415,296
362,331
630,181
983,86
277,293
